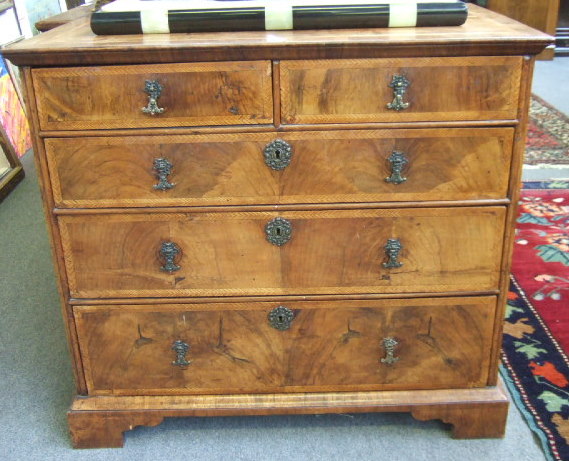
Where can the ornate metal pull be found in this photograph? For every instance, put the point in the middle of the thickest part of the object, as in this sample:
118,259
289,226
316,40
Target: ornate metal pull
281,318
163,168
170,252
181,349
389,344
399,84
278,231
153,89
278,154
398,161
392,249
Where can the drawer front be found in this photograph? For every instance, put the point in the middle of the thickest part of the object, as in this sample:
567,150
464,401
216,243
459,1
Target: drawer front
232,348
223,93
434,89
324,167
343,251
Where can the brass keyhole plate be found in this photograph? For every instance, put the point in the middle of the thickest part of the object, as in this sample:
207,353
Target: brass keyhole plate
280,318
278,154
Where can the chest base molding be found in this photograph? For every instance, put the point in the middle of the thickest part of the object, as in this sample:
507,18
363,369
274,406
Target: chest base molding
97,422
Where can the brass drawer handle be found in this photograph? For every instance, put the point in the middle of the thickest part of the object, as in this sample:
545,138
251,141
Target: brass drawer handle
399,84
153,89
170,253
397,161
278,231
392,249
181,349
281,318
163,168
389,344
278,154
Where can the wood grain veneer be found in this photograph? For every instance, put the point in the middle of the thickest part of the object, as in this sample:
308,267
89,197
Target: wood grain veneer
442,343
484,34
347,91
325,93
223,93
514,193
339,251
540,14
53,232
51,22
228,129
100,422
326,167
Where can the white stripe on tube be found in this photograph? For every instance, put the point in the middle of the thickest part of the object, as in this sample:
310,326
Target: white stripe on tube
402,14
154,21
278,15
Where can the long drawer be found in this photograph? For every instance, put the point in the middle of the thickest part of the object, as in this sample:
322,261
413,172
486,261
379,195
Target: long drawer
400,90
269,168
269,253
239,348
219,93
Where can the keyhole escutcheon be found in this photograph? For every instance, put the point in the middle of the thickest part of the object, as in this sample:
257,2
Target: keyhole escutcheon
278,231
278,154
280,318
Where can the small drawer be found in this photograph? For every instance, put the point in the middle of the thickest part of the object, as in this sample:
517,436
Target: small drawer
242,348
297,252
400,90
286,168
161,95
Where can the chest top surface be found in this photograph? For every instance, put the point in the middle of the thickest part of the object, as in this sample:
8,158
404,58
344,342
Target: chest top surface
485,33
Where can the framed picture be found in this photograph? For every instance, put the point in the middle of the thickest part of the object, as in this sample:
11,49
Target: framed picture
5,4
11,171
12,117
14,72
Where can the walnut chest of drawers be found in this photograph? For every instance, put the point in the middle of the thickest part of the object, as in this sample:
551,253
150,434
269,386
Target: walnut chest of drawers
292,222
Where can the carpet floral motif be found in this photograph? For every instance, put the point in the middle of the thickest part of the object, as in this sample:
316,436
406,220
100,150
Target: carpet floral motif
536,329
548,135
542,246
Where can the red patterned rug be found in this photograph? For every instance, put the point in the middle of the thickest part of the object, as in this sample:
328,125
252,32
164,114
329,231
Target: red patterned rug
548,135
536,331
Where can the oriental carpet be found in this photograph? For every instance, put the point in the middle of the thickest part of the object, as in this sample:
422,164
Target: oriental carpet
535,362
548,135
